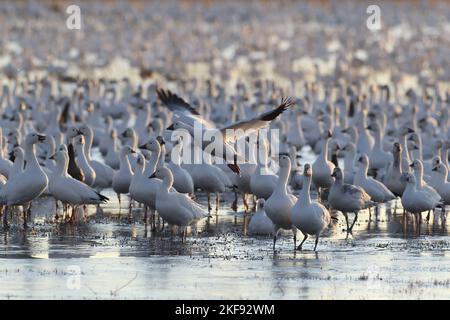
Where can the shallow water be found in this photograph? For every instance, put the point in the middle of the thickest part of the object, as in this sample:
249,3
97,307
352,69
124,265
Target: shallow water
108,258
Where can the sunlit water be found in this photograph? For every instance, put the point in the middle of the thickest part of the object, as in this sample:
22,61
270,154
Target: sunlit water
388,256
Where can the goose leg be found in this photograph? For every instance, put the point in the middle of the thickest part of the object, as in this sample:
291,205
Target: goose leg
275,238
294,231
209,203
145,214
244,198
301,243
428,216
317,241
5,217
346,220
354,221
217,202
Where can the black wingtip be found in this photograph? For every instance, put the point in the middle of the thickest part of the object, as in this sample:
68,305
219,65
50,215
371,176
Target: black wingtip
102,197
171,99
285,103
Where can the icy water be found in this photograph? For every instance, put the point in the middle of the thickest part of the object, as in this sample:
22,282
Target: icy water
107,258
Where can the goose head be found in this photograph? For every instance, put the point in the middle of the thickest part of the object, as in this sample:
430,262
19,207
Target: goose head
363,160
260,204
404,130
285,161
374,126
152,145
349,148
408,178
161,173
416,165
337,174
126,150
441,169
79,141
85,130
140,161
33,138
396,148
72,132
307,170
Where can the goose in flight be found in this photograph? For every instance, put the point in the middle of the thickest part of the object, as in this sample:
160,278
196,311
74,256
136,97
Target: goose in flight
186,117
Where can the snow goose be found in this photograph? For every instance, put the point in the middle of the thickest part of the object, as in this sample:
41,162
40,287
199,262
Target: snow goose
295,132
310,217
379,159
322,167
5,164
174,207
103,172
69,190
402,133
263,181
393,178
349,162
82,161
365,141
29,184
143,189
112,157
376,190
279,205
74,170
260,223
347,197
440,183
183,182
122,177
210,179
414,200
189,116
18,165
421,185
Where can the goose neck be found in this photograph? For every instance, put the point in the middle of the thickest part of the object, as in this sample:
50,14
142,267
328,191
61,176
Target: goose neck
305,196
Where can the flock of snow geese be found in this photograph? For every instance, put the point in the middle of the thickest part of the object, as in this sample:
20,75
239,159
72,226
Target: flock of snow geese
369,149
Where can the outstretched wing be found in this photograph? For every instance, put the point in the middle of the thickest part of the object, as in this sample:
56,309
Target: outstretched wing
259,122
174,102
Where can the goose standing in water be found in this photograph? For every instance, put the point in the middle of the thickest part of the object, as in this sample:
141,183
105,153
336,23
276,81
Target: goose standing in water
122,177
69,190
103,173
379,159
416,200
5,164
263,182
27,185
322,167
174,207
347,198
74,170
310,217
393,178
349,162
279,205
377,191
260,223
439,182
18,164
82,161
